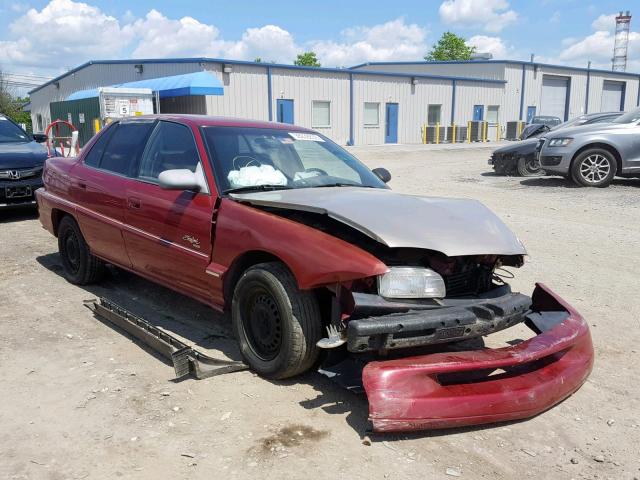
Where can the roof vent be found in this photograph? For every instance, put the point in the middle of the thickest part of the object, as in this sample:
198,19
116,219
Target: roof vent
481,56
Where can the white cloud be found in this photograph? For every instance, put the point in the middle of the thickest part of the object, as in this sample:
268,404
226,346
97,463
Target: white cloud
491,15
393,40
271,43
493,45
159,36
605,23
597,47
64,32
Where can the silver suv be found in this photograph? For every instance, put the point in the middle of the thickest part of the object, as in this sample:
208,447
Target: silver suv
592,155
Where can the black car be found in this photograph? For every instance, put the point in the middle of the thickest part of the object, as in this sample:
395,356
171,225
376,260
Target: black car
520,158
21,162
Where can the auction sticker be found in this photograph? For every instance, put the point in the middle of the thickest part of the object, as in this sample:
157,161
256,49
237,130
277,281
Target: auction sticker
308,137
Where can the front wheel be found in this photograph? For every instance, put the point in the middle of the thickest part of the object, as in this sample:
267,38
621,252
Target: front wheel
594,168
276,324
529,167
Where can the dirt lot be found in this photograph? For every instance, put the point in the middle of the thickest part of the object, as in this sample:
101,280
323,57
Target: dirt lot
80,400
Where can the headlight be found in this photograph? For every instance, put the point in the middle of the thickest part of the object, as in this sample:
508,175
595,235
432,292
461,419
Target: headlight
560,142
411,282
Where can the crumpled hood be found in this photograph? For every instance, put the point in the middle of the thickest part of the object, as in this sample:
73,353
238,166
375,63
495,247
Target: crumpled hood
22,155
521,146
451,226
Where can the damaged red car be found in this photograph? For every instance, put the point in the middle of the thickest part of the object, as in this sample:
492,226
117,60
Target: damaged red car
310,252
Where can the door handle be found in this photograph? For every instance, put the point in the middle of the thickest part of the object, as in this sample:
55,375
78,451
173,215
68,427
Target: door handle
133,202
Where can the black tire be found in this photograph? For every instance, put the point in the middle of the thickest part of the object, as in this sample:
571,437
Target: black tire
276,324
594,167
529,167
80,266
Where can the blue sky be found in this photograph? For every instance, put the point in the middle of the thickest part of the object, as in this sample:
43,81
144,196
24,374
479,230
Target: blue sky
341,32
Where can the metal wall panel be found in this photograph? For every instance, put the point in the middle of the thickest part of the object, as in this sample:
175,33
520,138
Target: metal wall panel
412,100
494,71
303,87
245,92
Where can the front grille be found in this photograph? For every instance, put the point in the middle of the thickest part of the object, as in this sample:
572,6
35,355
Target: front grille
20,173
470,282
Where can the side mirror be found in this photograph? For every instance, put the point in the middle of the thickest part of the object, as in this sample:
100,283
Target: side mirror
40,137
179,179
382,173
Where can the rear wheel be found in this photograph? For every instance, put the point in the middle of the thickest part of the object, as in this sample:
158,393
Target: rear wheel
276,324
529,167
594,168
80,266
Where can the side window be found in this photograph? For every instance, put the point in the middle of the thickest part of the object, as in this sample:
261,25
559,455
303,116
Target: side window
94,156
125,147
170,147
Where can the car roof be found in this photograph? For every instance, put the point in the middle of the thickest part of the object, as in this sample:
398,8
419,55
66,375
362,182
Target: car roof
213,121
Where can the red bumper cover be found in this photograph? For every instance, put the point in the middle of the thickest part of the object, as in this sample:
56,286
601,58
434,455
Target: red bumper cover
455,389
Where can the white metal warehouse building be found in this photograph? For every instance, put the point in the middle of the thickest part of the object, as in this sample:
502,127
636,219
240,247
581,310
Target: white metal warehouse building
372,103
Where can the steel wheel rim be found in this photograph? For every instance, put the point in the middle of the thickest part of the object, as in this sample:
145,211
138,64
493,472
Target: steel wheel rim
72,251
595,168
262,323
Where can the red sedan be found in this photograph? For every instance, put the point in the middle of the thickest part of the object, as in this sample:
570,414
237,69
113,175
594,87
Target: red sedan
308,249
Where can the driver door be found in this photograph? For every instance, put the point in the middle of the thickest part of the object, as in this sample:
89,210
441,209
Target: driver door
168,234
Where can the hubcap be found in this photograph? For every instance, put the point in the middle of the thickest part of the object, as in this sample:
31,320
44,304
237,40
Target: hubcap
595,168
263,324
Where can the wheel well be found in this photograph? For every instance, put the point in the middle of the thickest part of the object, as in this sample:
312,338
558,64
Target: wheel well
239,266
603,146
56,217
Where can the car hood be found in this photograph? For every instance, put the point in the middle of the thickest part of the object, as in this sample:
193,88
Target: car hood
588,129
451,226
523,145
22,155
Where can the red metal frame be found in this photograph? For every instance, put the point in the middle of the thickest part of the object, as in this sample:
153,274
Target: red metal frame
408,394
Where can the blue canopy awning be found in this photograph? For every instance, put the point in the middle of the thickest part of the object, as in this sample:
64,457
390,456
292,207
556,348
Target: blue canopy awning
198,83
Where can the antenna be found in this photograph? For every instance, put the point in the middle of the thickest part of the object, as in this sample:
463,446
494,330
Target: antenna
619,60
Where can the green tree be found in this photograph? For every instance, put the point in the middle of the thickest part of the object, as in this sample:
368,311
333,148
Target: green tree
307,59
11,106
258,60
450,47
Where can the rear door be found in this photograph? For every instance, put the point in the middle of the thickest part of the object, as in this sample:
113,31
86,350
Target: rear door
168,232
100,183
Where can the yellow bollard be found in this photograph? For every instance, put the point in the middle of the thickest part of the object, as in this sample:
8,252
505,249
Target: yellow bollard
484,131
438,132
520,124
453,133
469,131
497,132
96,125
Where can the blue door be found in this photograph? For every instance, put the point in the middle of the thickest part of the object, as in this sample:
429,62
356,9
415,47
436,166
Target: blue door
391,132
478,113
531,112
285,111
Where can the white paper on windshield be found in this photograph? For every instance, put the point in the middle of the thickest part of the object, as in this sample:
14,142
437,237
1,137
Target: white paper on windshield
308,137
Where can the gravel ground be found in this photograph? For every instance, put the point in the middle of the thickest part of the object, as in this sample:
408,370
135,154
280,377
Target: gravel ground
80,400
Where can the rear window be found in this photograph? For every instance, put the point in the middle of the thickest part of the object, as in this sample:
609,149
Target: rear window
125,147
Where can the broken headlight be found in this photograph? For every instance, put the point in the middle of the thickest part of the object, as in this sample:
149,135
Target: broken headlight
411,282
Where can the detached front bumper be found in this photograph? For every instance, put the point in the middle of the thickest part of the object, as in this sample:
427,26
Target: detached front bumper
456,389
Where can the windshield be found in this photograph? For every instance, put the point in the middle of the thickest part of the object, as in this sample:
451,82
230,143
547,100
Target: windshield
629,117
260,158
10,132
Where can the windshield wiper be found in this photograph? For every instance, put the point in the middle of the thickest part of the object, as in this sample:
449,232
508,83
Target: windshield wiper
257,188
340,184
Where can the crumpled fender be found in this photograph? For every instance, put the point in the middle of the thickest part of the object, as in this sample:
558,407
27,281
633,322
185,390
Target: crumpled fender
314,257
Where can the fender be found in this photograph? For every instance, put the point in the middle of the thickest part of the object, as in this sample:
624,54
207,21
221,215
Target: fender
314,257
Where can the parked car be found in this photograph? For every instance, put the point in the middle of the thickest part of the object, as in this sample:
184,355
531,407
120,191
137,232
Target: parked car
293,236
521,157
21,161
538,125
592,155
